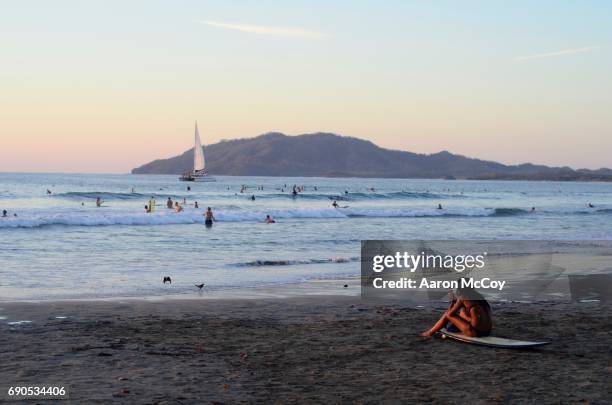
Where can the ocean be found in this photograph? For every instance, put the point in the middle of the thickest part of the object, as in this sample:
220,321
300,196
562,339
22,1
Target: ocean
61,246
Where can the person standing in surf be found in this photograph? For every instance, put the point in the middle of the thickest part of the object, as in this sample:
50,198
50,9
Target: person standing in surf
209,218
468,313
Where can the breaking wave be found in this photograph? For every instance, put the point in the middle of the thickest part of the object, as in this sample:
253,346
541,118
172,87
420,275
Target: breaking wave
277,262
101,217
79,195
508,212
357,196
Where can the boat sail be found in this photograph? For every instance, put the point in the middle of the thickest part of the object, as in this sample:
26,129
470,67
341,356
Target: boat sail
199,172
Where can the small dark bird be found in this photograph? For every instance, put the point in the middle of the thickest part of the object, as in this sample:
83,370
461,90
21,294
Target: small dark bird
345,285
168,279
200,285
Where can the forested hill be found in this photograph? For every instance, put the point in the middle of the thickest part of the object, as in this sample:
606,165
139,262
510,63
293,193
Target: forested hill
330,155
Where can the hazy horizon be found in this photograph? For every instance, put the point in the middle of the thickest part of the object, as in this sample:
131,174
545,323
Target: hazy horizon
105,86
247,137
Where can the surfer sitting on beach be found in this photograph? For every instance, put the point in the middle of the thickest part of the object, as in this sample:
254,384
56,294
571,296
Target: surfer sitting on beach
469,313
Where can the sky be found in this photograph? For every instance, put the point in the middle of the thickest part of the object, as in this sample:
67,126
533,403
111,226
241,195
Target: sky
105,86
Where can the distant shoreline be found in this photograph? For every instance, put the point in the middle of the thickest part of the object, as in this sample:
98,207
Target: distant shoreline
560,180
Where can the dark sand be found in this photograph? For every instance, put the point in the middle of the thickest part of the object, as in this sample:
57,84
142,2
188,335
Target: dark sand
313,350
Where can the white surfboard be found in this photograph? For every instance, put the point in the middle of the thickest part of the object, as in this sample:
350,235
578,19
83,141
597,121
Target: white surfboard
491,341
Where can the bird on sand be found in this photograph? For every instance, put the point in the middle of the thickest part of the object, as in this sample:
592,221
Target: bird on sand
200,285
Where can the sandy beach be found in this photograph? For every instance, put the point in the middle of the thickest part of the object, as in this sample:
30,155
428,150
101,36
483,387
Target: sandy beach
309,349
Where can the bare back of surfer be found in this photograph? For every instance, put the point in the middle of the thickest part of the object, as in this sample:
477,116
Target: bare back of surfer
469,313
209,217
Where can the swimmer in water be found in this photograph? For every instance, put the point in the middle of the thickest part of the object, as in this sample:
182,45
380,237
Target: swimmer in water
99,202
439,206
269,220
147,210
169,203
209,217
4,213
177,207
335,204
195,205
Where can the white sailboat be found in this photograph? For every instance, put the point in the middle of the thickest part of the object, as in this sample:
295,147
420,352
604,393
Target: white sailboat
199,172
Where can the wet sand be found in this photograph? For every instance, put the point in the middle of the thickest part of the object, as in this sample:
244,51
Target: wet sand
324,349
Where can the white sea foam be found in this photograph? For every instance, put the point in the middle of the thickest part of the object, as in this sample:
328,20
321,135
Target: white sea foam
40,218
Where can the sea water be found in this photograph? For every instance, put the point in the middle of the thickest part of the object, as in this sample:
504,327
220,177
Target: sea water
61,246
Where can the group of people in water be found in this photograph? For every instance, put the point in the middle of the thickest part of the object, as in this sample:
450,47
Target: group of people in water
209,217
208,214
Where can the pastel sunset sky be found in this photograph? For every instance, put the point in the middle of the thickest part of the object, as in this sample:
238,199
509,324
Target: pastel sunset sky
105,86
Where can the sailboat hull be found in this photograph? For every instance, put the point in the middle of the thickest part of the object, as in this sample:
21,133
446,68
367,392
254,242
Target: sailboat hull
196,177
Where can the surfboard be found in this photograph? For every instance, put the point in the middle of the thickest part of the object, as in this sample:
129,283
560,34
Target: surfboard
491,341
